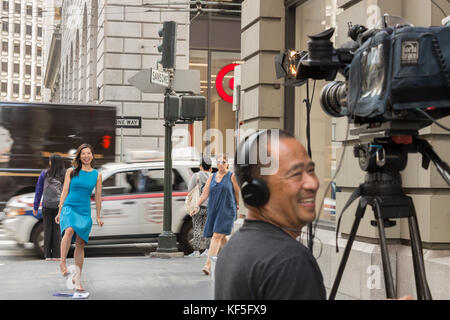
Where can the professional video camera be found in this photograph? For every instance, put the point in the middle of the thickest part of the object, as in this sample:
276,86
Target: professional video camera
393,72
397,81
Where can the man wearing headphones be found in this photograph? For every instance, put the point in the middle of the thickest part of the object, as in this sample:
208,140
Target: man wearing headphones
263,259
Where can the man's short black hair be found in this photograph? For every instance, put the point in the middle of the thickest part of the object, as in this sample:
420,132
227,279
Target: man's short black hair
247,171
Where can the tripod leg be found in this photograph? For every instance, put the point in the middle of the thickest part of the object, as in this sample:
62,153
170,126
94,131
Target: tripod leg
387,270
423,291
359,214
388,279
419,283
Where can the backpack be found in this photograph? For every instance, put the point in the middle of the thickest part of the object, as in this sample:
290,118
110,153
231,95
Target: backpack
52,192
193,196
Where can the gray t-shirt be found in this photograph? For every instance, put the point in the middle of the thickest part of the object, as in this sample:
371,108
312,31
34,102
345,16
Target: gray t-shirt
199,177
262,262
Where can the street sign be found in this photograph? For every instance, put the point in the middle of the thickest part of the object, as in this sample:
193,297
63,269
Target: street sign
142,81
186,81
129,122
160,77
154,81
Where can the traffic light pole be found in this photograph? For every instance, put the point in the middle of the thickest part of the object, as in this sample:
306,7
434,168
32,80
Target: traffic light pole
167,241
191,109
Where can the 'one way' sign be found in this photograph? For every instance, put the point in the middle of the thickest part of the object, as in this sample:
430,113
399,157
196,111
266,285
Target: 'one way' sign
129,122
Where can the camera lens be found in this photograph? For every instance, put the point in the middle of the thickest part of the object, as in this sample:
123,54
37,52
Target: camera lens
333,99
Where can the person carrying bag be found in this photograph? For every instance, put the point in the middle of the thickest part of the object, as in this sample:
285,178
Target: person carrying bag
195,188
49,188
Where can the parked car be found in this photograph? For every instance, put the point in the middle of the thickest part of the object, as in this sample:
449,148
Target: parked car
132,206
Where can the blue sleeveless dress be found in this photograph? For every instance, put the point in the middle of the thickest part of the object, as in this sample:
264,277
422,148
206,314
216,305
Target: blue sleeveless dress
221,207
76,211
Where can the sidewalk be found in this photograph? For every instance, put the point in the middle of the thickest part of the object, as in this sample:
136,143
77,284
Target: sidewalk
110,278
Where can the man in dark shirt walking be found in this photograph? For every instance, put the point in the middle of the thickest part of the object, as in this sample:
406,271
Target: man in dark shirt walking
263,259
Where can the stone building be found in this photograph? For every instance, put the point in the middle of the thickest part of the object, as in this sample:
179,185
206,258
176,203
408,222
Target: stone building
21,52
271,26
94,49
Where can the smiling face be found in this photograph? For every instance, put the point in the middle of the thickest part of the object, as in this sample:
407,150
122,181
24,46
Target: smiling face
293,188
86,156
222,164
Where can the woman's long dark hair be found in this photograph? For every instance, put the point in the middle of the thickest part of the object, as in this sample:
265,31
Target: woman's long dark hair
57,168
76,163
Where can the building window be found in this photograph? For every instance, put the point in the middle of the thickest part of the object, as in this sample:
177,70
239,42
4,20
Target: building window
6,6
17,8
28,49
39,12
29,10
16,68
5,26
4,87
16,48
5,66
17,28
27,70
39,32
15,88
38,91
28,30
38,71
39,52
5,47
27,89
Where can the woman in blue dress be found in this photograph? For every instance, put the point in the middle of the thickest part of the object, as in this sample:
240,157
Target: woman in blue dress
223,203
74,215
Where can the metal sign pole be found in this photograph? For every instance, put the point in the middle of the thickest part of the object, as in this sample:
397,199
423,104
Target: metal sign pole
167,241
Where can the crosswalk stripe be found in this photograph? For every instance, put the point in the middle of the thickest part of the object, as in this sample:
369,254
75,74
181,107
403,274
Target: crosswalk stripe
7,242
11,253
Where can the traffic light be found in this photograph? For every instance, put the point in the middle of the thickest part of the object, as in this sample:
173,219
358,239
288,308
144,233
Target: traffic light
184,108
171,108
168,46
193,108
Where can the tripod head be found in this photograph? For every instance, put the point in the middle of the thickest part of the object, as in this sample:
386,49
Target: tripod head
381,156
386,147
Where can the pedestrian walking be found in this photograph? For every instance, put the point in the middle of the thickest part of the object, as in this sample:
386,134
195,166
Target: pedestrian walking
199,219
223,192
48,189
74,214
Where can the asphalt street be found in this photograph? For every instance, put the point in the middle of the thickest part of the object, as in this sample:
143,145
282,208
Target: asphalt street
124,272
109,278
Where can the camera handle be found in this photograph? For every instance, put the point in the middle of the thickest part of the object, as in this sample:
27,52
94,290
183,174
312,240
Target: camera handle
427,152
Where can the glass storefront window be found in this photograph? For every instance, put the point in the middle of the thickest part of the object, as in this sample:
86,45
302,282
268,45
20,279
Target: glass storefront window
218,89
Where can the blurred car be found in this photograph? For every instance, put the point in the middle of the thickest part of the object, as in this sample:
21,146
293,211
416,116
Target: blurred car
132,205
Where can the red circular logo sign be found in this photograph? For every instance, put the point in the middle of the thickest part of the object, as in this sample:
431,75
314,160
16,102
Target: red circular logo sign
219,82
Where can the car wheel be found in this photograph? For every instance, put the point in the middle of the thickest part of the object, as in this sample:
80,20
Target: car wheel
187,237
37,237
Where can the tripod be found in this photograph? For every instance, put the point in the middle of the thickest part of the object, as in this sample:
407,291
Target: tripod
382,190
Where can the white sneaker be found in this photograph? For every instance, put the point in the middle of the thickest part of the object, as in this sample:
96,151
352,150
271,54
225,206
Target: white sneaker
204,253
194,254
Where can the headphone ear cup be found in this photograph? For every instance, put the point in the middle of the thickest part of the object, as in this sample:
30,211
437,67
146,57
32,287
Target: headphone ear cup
255,193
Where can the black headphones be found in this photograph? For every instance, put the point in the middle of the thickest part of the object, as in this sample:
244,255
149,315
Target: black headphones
255,191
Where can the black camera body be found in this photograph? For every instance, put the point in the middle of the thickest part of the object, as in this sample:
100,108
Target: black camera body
389,72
